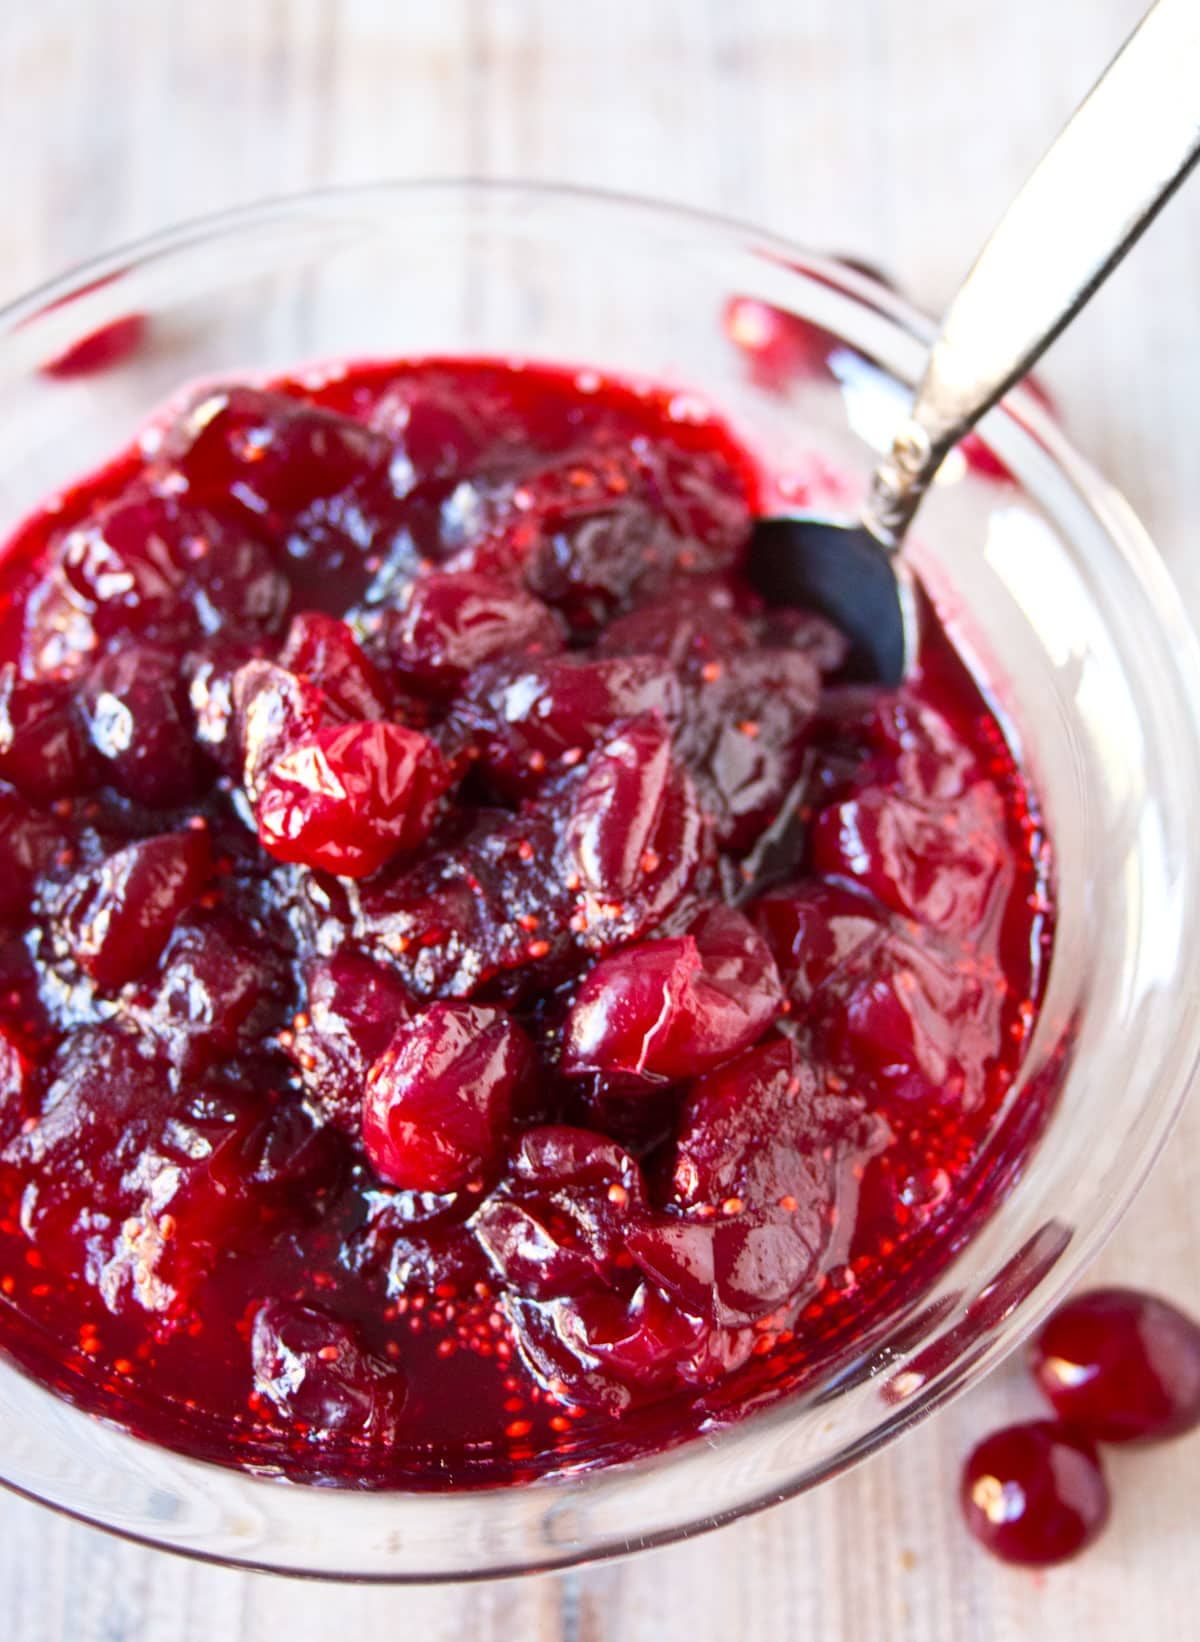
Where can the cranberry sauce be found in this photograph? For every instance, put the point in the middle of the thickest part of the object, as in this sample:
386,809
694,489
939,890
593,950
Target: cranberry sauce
476,994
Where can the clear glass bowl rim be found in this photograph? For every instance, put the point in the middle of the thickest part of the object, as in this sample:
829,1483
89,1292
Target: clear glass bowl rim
1030,421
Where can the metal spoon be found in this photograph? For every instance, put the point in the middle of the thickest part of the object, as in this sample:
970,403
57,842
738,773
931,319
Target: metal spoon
1123,154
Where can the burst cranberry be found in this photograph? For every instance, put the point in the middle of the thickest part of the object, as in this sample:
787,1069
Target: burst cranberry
346,799
29,840
909,1021
323,651
452,624
43,741
1121,1365
668,1010
531,721
813,928
353,1010
937,865
217,985
1035,1494
438,1100
744,735
311,1366
273,709
437,432
136,708
156,567
693,626
486,911
116,918
559,1224
634,844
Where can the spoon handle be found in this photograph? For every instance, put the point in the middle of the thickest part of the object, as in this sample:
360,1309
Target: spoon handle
1126,149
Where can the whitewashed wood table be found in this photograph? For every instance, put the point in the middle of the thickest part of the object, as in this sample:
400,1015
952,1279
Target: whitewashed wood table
897,133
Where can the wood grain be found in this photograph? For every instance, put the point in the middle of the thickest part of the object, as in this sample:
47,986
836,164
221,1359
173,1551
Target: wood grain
896,132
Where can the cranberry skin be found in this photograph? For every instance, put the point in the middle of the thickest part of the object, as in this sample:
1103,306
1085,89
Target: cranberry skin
153,567
438,1100
906,1020
271,454
941,867
353,1010
669,1010
44,749
218,984
311,1366
323,651
452,624
744,736
1034,1494
116,918
558,1223
435,431
634,845
535,720
1121,1365
273,709
135,704
29,840
702,620
346,799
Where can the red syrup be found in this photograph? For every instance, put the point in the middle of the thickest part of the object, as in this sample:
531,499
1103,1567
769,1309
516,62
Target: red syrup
477,995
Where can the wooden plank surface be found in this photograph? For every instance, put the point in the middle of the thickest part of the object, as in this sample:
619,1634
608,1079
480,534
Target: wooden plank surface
896,132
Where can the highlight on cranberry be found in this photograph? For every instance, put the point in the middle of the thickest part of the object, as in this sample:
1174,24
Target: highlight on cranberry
1122,1365
1035,1494
478,993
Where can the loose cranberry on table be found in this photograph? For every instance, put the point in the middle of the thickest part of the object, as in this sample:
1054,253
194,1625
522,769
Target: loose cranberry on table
1121,1365
477,994
1035,1494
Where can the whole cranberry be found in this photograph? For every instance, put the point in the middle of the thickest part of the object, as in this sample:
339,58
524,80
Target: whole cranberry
438,1100
1121,1365
347,798
672,1009
138,715
1035,1493
44,748
454,623
323,651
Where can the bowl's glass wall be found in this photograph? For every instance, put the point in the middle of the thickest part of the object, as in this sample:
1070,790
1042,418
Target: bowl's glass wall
1052,587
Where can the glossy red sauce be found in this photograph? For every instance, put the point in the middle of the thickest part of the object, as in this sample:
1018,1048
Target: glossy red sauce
515,1025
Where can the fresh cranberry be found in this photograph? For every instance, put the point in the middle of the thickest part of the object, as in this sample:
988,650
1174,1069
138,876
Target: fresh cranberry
323,651
438,1100
1121,1365
43,741
312,1368
347,798
532,720
135,704
452,624
634,844
353,1009
668,1010
1035,1494
116,918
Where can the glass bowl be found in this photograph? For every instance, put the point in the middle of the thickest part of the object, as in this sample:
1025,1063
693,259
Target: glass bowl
1050,587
